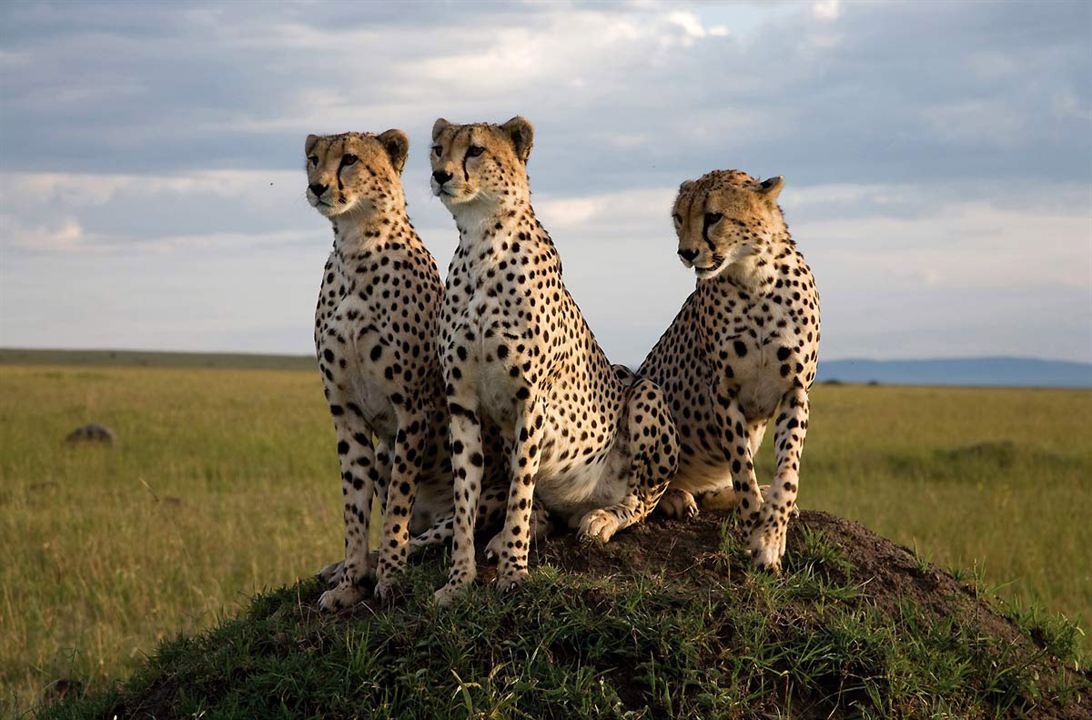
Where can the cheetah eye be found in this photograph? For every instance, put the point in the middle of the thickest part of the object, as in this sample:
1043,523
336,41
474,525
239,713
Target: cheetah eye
712,219
677,218
313,159
474,151
348,159
436,150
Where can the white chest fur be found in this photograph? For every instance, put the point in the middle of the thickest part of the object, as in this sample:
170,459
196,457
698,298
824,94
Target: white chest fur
754,332
352,335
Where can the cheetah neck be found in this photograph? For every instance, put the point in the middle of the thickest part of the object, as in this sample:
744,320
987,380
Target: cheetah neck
356,232
485,227
756,271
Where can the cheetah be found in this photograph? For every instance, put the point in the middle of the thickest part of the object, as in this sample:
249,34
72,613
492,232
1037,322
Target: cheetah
375,337
743,348
594,446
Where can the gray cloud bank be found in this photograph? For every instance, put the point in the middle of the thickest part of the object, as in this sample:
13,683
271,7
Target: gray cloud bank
939,159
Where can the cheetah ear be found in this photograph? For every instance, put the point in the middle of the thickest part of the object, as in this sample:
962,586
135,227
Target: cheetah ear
439,126
309,144
396,144
521,134
771,188
685,186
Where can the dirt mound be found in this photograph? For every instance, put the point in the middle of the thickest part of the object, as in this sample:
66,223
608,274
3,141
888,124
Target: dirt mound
888,574
668,620
890,577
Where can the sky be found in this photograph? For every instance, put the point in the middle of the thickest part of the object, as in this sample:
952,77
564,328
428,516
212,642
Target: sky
937,156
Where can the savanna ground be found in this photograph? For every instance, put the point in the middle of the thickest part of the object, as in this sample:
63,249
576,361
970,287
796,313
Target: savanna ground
224,482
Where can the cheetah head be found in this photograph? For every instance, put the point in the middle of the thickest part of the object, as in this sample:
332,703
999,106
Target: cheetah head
355,172
479,162
723,217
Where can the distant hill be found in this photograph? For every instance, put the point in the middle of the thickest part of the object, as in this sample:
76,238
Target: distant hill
1006,371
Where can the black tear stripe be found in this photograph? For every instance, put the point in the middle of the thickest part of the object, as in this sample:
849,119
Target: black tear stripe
340,165
705,232
466,155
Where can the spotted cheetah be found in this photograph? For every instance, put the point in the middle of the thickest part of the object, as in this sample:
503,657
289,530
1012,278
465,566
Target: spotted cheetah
375,335
594,446
743,347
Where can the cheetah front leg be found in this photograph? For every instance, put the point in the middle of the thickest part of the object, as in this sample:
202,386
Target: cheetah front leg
467,464
394,542
541,526
360,474
726,498
653,441
737,453
512,545
767,539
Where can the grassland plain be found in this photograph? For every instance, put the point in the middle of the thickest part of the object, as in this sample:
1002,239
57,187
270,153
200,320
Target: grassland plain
224,483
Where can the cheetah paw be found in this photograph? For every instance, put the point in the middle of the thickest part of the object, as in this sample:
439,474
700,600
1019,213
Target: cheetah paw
493,547
678,504
448,594
343,596
597,526
388,591
331,574
424,540
511,580
766,552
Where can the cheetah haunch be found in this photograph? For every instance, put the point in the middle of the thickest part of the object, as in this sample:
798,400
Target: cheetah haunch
375,335
590,442
742,349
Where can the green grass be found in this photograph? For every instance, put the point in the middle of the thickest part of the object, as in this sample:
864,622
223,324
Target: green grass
224,483
999,479
151,358
721,643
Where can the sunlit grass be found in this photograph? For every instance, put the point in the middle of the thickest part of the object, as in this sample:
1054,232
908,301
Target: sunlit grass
224,482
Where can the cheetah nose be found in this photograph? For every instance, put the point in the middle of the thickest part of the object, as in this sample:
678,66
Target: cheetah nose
688,255
318,189
441,176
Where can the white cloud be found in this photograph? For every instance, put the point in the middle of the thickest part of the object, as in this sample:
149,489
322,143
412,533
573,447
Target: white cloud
692,28
609,214
962,245
826,10
688,22
91,189
59,236
77,213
